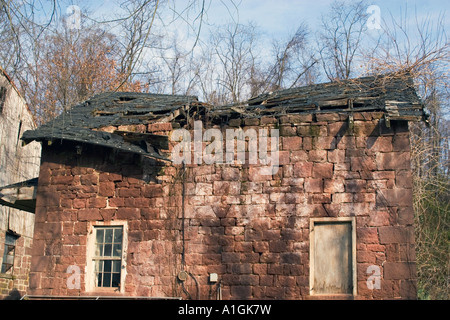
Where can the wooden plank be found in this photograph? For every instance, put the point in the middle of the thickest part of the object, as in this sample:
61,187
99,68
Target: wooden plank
333,263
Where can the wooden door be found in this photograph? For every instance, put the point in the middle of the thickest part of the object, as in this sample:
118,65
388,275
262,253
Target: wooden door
332,256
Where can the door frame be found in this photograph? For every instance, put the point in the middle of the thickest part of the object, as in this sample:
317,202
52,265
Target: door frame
331,220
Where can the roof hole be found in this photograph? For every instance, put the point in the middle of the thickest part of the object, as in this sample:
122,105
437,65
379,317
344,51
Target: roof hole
126,98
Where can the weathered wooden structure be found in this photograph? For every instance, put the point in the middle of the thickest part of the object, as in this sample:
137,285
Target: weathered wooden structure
18,163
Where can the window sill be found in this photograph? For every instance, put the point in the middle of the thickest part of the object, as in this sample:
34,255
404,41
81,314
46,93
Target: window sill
7,276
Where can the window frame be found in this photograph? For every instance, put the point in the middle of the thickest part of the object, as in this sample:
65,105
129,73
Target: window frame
331,220
102,258
3,92
6,252
92,258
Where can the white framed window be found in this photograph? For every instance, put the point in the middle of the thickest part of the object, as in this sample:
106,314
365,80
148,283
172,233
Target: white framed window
106,256
333,256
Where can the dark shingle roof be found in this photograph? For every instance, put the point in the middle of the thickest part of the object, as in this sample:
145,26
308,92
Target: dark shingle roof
392,94
81,122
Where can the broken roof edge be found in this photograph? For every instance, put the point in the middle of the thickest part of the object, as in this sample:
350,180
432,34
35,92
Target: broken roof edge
393,94
92,137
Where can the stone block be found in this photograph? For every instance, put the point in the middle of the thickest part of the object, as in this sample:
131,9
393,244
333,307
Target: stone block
363,164
106,189
401,143
47,199
202,189
325,143
241,292
379,144
226,187
322,170
318,155
333,186
230,174
128,213
337,129
98,202
396,197
336,156
129,192
303,169
89,179
393,161
367,235
41,263
399,270
291,143
355,185
62,179
331,116
403,179
298,155
152,190
90,214
288,130
396,234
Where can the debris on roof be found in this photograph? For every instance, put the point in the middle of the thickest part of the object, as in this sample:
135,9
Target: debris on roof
84,122
392,94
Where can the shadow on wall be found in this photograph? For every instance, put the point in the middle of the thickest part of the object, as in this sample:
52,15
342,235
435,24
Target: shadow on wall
14,294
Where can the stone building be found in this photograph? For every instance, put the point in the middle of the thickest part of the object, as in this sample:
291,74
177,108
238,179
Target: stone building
18,163
304,193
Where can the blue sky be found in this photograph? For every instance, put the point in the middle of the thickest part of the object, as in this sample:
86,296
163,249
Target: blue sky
278,17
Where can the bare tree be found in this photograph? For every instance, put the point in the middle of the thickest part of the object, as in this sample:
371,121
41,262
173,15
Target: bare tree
234,52
293,63
340,38
421,49
69,67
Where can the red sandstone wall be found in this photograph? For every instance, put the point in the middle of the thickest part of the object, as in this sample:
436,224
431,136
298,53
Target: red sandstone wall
252,230
13,286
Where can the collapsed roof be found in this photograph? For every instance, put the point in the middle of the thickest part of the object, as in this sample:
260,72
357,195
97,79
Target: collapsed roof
392,94
84,122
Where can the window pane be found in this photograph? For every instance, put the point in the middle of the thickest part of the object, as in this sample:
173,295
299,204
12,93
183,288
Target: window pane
107,266
99,250
99,266
117,250
99,279
10,239
107,280
9,259
99,235
118,235
108,235
116,266
107,252
115,279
